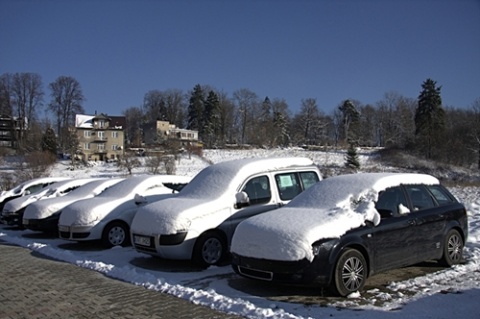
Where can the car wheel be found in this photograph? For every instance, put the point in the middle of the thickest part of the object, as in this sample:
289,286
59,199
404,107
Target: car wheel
116,234
209,249
452,249
350,273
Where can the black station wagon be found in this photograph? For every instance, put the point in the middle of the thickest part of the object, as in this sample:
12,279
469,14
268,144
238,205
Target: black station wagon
347,228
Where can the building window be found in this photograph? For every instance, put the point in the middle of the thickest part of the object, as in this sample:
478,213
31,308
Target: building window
114,134
87,133
101,123
101,135
114,147
86,146
101,147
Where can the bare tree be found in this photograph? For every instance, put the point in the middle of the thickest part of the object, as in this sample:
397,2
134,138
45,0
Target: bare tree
135,118
246,102
27,96
154,105
67,98
6,107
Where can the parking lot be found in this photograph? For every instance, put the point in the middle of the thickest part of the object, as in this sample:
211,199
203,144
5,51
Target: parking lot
33,286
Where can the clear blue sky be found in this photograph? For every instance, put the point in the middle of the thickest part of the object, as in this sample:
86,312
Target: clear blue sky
323,49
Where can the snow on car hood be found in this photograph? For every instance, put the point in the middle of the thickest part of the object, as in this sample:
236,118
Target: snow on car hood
328,209
45,208
170,215
118,198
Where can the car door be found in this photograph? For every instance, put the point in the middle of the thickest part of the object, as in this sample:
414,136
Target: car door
393,239
428,219
261,196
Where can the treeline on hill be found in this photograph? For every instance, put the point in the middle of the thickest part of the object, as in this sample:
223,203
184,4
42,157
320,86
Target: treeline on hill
419,126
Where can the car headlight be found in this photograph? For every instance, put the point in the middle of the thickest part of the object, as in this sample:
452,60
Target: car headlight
323,245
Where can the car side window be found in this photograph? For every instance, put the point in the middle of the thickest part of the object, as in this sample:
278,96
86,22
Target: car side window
308,179
440,194
288,185
258,190
35,188
391,202
419,197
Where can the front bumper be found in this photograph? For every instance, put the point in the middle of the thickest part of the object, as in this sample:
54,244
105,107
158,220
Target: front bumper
49,224
302,272
74,232
175,249
13,219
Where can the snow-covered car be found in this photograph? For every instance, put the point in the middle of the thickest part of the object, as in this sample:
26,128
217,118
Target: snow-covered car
107,217
27,188
347,228
44,215
198,224
12,213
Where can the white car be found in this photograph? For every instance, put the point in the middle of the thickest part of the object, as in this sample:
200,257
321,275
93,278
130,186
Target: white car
44,215
13,210
108,216
26,188
199,223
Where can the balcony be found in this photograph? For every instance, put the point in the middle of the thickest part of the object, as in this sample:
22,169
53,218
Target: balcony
98,139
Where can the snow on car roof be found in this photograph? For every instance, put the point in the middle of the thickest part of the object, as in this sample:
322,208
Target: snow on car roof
216,179
45,208
87,210
17,189
137,183
328,209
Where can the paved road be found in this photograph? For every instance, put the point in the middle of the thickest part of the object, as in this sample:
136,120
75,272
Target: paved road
32,286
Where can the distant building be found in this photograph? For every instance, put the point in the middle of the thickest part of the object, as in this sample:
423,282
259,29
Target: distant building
101,137
10,131
158,132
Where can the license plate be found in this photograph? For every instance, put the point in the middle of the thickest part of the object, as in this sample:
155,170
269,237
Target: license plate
141,240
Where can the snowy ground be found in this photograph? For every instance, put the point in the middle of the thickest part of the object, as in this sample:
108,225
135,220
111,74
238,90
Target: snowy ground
446,293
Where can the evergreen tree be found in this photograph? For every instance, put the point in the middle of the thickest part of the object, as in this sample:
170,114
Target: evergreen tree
266,123
350,116
49,141
351,160
429,117
280,125
211,119
196,107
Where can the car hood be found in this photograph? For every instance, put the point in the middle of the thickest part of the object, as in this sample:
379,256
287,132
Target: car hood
91,211
292,239
173,214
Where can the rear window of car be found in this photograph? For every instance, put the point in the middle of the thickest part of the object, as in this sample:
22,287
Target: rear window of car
440,194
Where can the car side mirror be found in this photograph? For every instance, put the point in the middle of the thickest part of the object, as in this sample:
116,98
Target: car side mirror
241,200
139,199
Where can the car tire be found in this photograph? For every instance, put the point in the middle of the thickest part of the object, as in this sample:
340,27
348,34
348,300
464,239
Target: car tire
116,234
452,249
210,249
350,273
